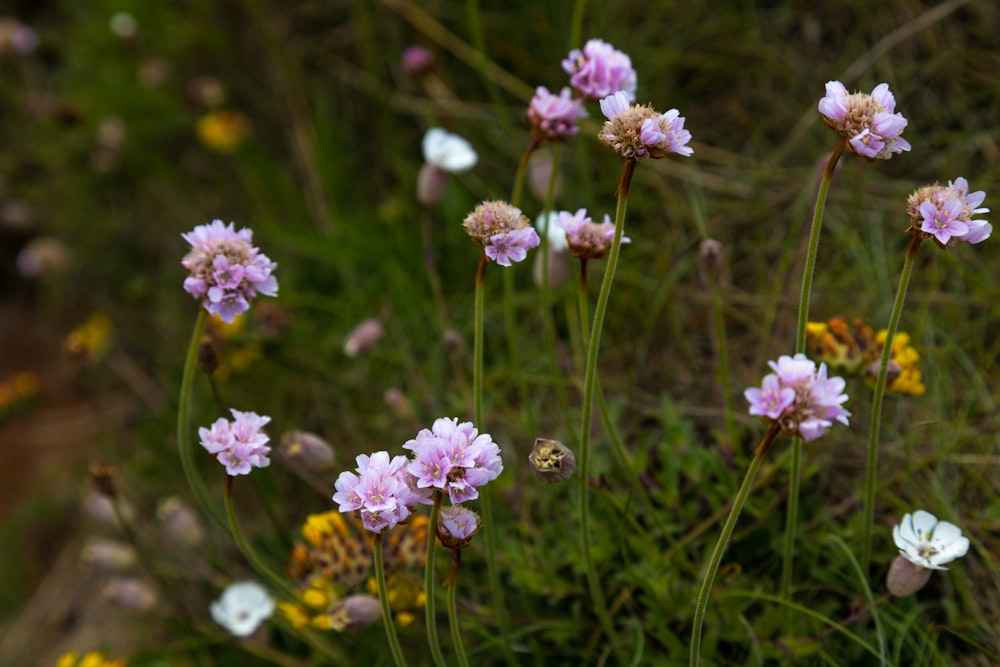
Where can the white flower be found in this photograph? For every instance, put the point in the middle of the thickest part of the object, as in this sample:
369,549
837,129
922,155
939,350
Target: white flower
448,151
927,542
556,234
242,607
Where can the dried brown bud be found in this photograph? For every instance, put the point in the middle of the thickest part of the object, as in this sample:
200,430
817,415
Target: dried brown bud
208,353
551,461
103,479
906,578
710,260
307,449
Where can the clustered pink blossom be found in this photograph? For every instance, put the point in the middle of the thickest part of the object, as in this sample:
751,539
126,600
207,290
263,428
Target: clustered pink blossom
869,122
945,213
586,238
226,270
553,117
240,444
454,458
600,70
800,397
505,234
637,132
451,457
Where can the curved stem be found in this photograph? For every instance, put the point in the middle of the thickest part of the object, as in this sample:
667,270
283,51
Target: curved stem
791,518
456,632
390,627
184,445
876,420
589,385
430,592
705,592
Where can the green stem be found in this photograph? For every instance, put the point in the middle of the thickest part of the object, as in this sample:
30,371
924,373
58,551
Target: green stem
876,420
456,631
184,445
576,24
251,555
390,627
522,169
430,606
589,385
705,592
486,496
792,516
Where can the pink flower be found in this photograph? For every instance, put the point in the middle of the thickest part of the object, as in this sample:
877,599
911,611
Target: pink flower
512,246
587,239
600,70
554,117
800,397
869,122
455,458
378,492
240,445
638,132
946,213
505,234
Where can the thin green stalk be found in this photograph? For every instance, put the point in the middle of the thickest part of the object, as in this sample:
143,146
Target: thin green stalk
576,24
486,496
513,351
248,551
390,627
456,631
705,592
589,385
876,421
184,446
722,350
430,592
477,37
792,516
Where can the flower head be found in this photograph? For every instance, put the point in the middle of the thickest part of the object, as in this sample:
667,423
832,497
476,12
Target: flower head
226,270
587,239
380,492
600,70
244,605
945,213
505,234
455,458
448,152
927,542
800,397
551,461
240,444
553,117
869,122
457,526
638,132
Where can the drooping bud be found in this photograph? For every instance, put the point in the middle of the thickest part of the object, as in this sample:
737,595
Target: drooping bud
307,449
906,578
551,461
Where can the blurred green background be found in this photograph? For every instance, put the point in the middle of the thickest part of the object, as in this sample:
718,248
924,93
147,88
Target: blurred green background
129,123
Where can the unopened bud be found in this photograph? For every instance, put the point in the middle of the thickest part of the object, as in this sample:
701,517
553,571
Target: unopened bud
456,526
398,403
540,172
130,593
417,60
101,508
355,612
710,260
103,479
906,578
551,461
432,181
181,522
453,340
108,555
363,337
307,449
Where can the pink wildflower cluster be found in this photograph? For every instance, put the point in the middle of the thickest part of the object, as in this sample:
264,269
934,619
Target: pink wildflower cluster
226,270
505,234
869,122
451,457
802,399
637,132
586,238
553,117
945,213
599,69
240,445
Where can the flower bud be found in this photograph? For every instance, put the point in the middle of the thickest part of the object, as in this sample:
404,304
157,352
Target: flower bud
100,508
432,181
130,593
181,522
906,578
307,449
453,340
551,461
540,168
456,526
363,338
398,403
355,612
710,260
108,555
417,60
43,257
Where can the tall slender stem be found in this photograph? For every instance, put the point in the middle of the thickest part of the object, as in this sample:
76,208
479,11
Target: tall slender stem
792,516
705,592
876,420
390,627
184,445
456,631
430,592
486,496
589,385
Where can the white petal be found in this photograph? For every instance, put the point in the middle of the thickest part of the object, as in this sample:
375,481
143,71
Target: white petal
947,532
951,551
923,524
448,151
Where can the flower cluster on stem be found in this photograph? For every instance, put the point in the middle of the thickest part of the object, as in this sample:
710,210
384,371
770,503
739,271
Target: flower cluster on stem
599,69
554,117
869,122
505,234
240,445
637,132
946,213
586,238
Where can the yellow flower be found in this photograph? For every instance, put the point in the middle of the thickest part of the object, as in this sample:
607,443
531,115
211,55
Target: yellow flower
92,659
90,341
222,130
908,380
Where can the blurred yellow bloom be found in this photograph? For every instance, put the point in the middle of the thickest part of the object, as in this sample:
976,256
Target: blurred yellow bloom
89,342
222,130
19,387
908,380
92,659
